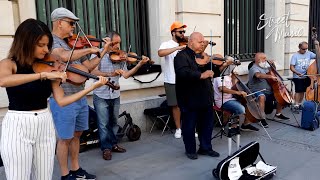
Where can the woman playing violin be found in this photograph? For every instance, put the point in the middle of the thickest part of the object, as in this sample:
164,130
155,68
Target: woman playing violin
107,101
258,80
28,134
70,121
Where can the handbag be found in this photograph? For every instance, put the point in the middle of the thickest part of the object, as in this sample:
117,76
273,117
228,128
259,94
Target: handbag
146,69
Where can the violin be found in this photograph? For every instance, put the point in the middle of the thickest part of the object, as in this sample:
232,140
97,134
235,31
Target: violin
84,41
77,74
130,57
281,93
216,59
312,92
185,40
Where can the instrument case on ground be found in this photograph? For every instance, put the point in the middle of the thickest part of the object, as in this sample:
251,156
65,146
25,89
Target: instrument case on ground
247,158
310,116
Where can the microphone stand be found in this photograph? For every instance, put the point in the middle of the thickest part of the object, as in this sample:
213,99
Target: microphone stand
222,132
230,120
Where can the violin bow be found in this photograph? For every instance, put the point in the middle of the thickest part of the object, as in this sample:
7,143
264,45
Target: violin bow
98,54
211,47
72,50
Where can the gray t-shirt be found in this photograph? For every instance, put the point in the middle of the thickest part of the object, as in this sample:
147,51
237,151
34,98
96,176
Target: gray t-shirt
256,84
301,62
67,87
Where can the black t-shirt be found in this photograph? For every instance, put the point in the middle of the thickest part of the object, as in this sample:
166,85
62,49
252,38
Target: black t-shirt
29,96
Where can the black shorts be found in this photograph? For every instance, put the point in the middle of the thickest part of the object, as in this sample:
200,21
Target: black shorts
301,84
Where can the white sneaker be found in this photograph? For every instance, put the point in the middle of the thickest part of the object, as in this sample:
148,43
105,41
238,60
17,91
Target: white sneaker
177,135
196,135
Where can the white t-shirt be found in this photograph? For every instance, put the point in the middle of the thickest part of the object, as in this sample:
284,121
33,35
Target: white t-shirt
217,94
169,73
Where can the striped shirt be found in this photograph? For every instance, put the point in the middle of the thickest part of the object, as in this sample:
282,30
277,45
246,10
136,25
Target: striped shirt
67,87
107,66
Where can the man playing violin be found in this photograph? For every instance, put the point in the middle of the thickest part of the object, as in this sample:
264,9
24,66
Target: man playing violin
258,80
195,96
70,121
107,101
299,64
229,103
169,50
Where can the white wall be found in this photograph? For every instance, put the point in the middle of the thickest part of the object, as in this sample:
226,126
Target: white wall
298,21
205,15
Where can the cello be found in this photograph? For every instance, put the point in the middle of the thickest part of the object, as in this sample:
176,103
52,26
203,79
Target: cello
253,110
312,93
281,93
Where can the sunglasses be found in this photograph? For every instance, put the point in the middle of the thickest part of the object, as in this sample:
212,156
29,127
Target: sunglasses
181,32
72,23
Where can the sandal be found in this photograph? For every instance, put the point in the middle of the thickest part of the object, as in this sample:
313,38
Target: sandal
117,148
107,154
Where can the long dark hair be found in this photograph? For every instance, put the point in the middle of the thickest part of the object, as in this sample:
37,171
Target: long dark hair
25,40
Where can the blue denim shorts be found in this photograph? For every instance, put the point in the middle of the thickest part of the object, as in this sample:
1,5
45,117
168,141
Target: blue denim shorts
234,106
70,118
259,94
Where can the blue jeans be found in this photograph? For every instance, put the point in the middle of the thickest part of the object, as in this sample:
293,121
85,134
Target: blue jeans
107,115
234,106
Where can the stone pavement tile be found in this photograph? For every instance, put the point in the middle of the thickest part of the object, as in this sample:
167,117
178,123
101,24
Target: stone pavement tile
307,171
2,174
147,164
286,157
199,169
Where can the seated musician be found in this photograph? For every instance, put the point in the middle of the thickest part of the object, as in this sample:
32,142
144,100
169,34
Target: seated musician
230,104
258,81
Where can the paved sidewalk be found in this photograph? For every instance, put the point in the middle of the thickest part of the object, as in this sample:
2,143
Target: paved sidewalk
295,151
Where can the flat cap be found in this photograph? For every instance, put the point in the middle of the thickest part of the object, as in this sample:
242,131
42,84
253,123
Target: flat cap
61,13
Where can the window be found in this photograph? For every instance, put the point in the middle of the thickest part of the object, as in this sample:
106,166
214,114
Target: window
97,17
240,27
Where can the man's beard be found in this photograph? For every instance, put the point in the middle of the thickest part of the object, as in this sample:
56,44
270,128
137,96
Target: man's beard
180,39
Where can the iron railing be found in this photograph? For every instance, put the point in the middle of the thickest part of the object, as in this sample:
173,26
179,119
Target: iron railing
97,17
240,26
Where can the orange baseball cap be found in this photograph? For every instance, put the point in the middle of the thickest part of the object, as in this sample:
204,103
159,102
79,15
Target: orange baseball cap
176,25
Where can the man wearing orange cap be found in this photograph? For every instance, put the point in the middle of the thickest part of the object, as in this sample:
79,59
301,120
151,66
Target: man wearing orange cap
168,50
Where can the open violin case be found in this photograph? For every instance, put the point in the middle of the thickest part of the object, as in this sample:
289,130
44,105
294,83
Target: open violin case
247,158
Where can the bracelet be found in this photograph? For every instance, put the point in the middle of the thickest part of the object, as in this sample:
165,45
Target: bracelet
42,78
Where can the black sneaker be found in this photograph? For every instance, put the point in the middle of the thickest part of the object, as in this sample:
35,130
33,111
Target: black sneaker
211,153
281,117
68,177
81,174
264,123
248,127
192,156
